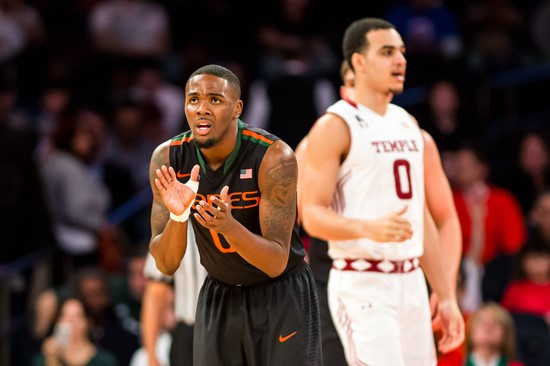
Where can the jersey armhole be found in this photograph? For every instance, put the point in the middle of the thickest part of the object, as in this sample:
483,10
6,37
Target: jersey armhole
345,154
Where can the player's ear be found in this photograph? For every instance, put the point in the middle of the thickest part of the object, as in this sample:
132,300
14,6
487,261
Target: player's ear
238,108
358,61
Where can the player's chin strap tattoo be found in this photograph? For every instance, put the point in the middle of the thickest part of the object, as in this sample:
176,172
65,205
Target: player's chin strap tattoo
194,186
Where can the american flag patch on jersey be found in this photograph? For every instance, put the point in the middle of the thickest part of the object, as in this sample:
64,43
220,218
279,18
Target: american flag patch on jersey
246,173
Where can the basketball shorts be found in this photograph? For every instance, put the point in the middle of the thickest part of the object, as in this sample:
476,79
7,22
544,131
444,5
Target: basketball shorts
276,323
383,319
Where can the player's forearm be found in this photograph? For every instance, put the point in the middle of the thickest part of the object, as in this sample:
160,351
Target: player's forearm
267,255
450,237
323,223
169,246
432,262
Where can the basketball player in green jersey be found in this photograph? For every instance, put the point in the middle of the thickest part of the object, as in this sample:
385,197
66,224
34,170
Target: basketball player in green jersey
258,305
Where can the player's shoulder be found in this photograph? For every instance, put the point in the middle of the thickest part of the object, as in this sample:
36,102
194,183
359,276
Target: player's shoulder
256,135
400,111
279,150
330,134
329,127
182,138
264,144
343,108
161,154
335,116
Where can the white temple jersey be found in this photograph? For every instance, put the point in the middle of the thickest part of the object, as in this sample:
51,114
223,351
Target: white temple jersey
383,172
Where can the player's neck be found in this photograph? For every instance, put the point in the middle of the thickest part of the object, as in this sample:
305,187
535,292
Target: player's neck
377,102
215,156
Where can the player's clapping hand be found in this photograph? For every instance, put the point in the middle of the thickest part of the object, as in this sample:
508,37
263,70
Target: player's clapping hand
390,228
176,196
452,325
216,216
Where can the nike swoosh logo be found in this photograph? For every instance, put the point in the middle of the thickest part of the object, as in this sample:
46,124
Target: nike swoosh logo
180,175
284,339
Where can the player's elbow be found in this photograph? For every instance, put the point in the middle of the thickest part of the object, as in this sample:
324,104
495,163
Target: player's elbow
309,225
276,270
277,267
163,262
166,267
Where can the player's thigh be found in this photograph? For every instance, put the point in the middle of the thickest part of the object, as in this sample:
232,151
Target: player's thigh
217,332
417,341
284,325
364,308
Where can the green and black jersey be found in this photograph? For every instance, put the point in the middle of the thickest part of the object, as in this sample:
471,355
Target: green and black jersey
240,173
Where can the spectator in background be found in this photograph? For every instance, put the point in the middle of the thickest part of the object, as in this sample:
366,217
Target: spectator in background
31,62
55,99
490,337
495,36
530,176
77,197
132,29
430,31
490,217
530,293
540,218
540,28
292,42
128,146
28,19
428,27
150,87
445,117
127,288
93,287
446,120
12,37
70,343
128,151
285,105
125,35
25,221
295,64
21,186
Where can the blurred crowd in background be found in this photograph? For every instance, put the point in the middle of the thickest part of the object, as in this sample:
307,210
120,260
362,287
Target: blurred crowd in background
88,88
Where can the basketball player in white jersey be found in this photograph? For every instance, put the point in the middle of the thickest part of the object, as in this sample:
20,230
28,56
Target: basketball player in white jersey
365,195
187,281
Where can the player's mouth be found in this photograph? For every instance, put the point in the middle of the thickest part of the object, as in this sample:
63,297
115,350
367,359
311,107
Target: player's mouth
203,127
399,76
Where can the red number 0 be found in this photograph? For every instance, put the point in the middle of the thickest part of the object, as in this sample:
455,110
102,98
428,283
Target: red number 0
401,171
219,245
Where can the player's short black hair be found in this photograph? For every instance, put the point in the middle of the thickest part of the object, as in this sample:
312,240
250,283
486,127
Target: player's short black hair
220,72
355,36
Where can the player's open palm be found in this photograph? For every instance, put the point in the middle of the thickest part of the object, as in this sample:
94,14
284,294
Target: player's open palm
452,325
176,196
392,227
